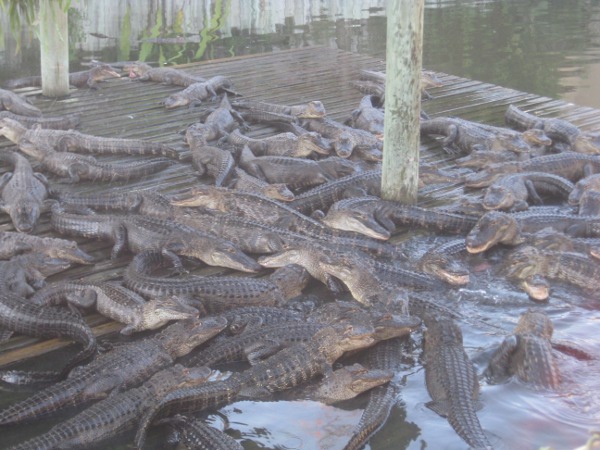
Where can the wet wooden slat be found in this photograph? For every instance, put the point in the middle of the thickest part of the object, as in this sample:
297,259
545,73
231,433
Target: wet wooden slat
124,108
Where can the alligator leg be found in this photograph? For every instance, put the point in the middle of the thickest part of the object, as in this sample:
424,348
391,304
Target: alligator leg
169,253
4,179
497,370
533,193
450,139
120,239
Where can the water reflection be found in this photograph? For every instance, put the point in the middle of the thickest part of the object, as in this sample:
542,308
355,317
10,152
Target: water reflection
547,47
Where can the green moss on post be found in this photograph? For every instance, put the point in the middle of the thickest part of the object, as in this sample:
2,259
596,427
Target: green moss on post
54,43
400,168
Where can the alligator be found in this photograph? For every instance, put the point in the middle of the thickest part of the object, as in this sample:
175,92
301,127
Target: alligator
346,383
371,88
528,262
452,381
12,243
23,274
286,369
117,413
248,318
219,123
248,235
271,212
556,129
90,78
497,227
71,140
381,217
14,103
463,136
297,173
75,167
511,192
588,183
308,255
282,144
527,353
345,138
117,303
441,262
243,181
385,356
291,126
194,434
361,274
23,192
376,81
54,123
570,165
322,197
258,343
212,294
123,367
589,204
198,92
367,117
140,233
312,110
358,214
140,71
481,159
371,282
209,160
19,316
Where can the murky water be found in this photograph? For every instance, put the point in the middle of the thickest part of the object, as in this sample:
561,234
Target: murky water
544,47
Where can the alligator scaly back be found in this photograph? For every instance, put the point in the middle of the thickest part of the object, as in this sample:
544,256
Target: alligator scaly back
20,316
452,380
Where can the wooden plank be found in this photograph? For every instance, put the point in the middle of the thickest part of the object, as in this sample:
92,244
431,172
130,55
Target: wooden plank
124,108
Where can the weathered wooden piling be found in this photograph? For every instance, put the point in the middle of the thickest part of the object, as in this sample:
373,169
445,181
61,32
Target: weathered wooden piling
404,50
54,44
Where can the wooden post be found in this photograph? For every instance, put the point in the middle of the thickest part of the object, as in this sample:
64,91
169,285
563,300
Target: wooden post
404,48
54,43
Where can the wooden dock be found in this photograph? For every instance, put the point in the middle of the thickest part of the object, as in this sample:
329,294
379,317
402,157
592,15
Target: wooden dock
128,109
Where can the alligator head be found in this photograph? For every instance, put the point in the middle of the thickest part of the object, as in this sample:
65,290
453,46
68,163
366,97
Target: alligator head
536,137
445,268
314,110
350,381
308,143
356,220
11,130
158,312
591,182
69,251
278,191
203,196
492,228
182,337
24,216
587,143
509,141
175,100
344,144
498,197
388,326
102,72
